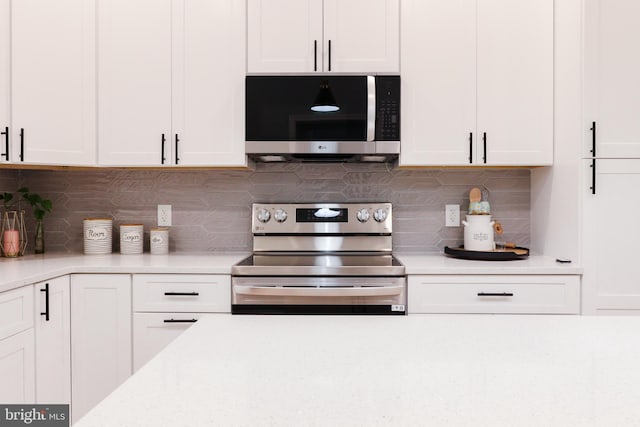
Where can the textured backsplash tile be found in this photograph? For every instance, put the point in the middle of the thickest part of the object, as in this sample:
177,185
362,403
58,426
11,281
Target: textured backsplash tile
212,209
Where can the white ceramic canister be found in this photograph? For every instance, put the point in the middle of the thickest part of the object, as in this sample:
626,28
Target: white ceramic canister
159,241
131,238
478,233
98,235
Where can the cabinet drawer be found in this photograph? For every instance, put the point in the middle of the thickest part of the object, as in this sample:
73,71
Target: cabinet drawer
181,293
494,294
154,331
16,311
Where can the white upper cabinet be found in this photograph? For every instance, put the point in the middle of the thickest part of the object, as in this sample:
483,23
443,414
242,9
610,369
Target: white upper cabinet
612,78
208,83
134,82
52,82
293,36
477,82
171,83
515,82
438,82
5,80
284,36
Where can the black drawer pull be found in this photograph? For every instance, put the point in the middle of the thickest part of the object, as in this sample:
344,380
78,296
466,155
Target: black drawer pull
180,320
46,302
6,143
181,294
495,294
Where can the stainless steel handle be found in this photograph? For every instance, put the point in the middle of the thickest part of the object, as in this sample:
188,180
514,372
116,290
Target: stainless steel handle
371,108
307,291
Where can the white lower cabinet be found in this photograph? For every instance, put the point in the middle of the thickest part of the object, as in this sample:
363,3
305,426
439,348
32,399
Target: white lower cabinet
17,365
167,304
100,337
154,331
53,341
506,294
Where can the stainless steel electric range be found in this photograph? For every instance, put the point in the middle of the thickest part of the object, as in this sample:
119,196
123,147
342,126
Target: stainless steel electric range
323,258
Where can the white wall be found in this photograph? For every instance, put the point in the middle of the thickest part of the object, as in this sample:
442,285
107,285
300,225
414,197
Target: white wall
556,191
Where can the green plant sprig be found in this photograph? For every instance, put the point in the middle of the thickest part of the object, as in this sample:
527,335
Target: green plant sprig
6,200
40,205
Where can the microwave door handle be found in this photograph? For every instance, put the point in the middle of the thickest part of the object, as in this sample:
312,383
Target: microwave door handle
371,108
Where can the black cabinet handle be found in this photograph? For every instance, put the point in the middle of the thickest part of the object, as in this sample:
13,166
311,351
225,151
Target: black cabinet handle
470,147
593,161
182,294
46,302
315,55
593,176
6,143
593,139
329,55
180,320
21,144
162,158
177,141
495,294
484,143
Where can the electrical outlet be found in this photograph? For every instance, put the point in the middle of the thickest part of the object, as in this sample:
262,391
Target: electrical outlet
164,215
452,216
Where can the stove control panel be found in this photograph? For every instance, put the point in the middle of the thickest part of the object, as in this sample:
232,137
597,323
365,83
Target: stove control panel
321,218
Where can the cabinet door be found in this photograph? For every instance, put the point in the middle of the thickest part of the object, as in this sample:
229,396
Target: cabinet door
364,36
134,82
5,81
208,83
610,279
100,337
284,36
53,341
53,81
154,331
438,82
612,76
17,369
515,82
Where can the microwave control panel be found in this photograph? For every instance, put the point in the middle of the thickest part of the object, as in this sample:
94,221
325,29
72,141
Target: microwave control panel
388,108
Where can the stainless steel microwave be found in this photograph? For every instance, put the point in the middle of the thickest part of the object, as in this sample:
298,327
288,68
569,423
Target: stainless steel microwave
322,118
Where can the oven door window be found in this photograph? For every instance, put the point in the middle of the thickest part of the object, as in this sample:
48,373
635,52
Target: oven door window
279,108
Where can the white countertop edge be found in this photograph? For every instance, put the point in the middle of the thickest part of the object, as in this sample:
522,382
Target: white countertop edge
22,271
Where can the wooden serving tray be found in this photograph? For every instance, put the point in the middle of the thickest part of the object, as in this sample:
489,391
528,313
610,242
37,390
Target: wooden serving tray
508,254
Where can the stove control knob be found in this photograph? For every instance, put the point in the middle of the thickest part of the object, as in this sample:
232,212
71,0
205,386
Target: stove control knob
263,215
363,215
280,215
380,215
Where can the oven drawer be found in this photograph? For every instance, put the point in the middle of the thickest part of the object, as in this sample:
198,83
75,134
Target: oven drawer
185,293
319,290
540,294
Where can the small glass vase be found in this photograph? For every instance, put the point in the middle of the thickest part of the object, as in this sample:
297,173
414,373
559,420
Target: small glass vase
39,243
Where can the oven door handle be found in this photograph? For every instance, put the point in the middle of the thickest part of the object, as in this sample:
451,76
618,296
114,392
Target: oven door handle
326,291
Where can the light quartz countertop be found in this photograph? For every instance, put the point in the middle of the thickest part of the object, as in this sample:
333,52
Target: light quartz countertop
420,370
17,272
